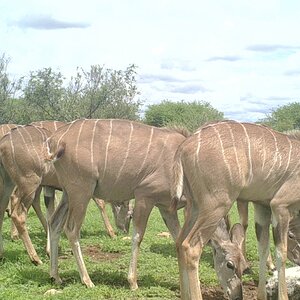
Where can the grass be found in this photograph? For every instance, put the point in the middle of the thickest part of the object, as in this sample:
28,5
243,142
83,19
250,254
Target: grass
107,261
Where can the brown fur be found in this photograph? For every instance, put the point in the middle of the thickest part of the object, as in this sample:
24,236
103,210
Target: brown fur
228,161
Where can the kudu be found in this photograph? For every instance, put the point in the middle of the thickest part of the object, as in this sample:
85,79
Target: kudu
227,161
116,160
293,243
22,165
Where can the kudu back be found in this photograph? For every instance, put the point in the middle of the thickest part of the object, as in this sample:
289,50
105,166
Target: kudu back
227,161
116,160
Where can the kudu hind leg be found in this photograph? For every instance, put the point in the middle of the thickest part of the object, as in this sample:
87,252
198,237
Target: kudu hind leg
201,222
56,224
5,192
171,221
24,200
72,227
142,210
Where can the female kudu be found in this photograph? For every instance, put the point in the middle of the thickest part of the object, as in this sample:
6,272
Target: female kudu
225,161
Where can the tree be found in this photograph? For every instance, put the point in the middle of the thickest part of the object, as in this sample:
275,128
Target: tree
97,93
188,114
8,90
283,118
103,93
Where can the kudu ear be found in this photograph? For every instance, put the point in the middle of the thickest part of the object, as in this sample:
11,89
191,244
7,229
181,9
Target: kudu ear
237,234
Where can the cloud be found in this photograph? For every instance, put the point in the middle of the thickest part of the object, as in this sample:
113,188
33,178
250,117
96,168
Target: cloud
292,73
189,89
225,58
182,65
150,78
270,47
46,22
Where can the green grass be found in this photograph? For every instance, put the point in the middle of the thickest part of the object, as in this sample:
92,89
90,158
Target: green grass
157,268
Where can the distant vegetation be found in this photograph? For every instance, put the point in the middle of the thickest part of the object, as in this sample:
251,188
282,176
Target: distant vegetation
105,93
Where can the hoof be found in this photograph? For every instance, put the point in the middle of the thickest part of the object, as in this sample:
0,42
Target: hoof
37,262
57,280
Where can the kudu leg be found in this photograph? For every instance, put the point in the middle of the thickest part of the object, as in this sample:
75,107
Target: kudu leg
171,221
243,209
5,192
262,217
24,200
49,198
280,220
78,202
37,208
101,205
56,224
197,230
141,214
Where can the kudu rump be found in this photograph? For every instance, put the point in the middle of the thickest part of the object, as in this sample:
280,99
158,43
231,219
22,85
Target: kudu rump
118,160
225,161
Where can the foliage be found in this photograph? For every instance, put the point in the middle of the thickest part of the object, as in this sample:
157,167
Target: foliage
8,90
286,117
191,115
46,94
97,93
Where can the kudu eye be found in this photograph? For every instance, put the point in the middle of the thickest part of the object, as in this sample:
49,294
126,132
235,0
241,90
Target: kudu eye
230,265
291,235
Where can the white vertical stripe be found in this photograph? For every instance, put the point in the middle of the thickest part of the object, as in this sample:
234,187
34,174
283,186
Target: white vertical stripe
107,146
65,132
147,151
198,148
223,152
92,143
32,144
77,145
249,154
126,154
275,155
235,153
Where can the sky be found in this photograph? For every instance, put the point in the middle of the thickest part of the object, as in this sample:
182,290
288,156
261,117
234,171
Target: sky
241,56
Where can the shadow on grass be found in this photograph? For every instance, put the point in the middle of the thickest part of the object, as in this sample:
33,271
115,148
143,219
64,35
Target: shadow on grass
116,280
168,250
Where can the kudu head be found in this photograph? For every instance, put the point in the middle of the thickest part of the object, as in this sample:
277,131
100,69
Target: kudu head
122,214
229,261
293,251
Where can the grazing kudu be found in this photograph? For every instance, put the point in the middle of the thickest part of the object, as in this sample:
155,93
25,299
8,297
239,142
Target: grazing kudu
116,160
22,165
122,213
293,243
227,161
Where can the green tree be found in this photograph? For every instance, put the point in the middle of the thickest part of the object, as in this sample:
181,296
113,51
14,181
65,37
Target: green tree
188,114
8,91
283,118
43,95
96,93
103,93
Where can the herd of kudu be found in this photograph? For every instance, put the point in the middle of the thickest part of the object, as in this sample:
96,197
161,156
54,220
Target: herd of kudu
120,160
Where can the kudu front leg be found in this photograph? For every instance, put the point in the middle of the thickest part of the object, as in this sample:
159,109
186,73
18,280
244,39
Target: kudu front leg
141,214
262,217
101,205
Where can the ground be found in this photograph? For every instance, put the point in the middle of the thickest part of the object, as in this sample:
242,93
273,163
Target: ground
209,293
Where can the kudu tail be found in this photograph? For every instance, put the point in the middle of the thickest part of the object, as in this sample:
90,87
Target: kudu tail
54,151
177,182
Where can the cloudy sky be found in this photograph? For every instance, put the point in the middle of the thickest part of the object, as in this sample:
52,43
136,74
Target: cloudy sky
242,56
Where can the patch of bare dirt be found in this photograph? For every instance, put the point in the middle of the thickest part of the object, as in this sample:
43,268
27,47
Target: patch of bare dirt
209,293
97,254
